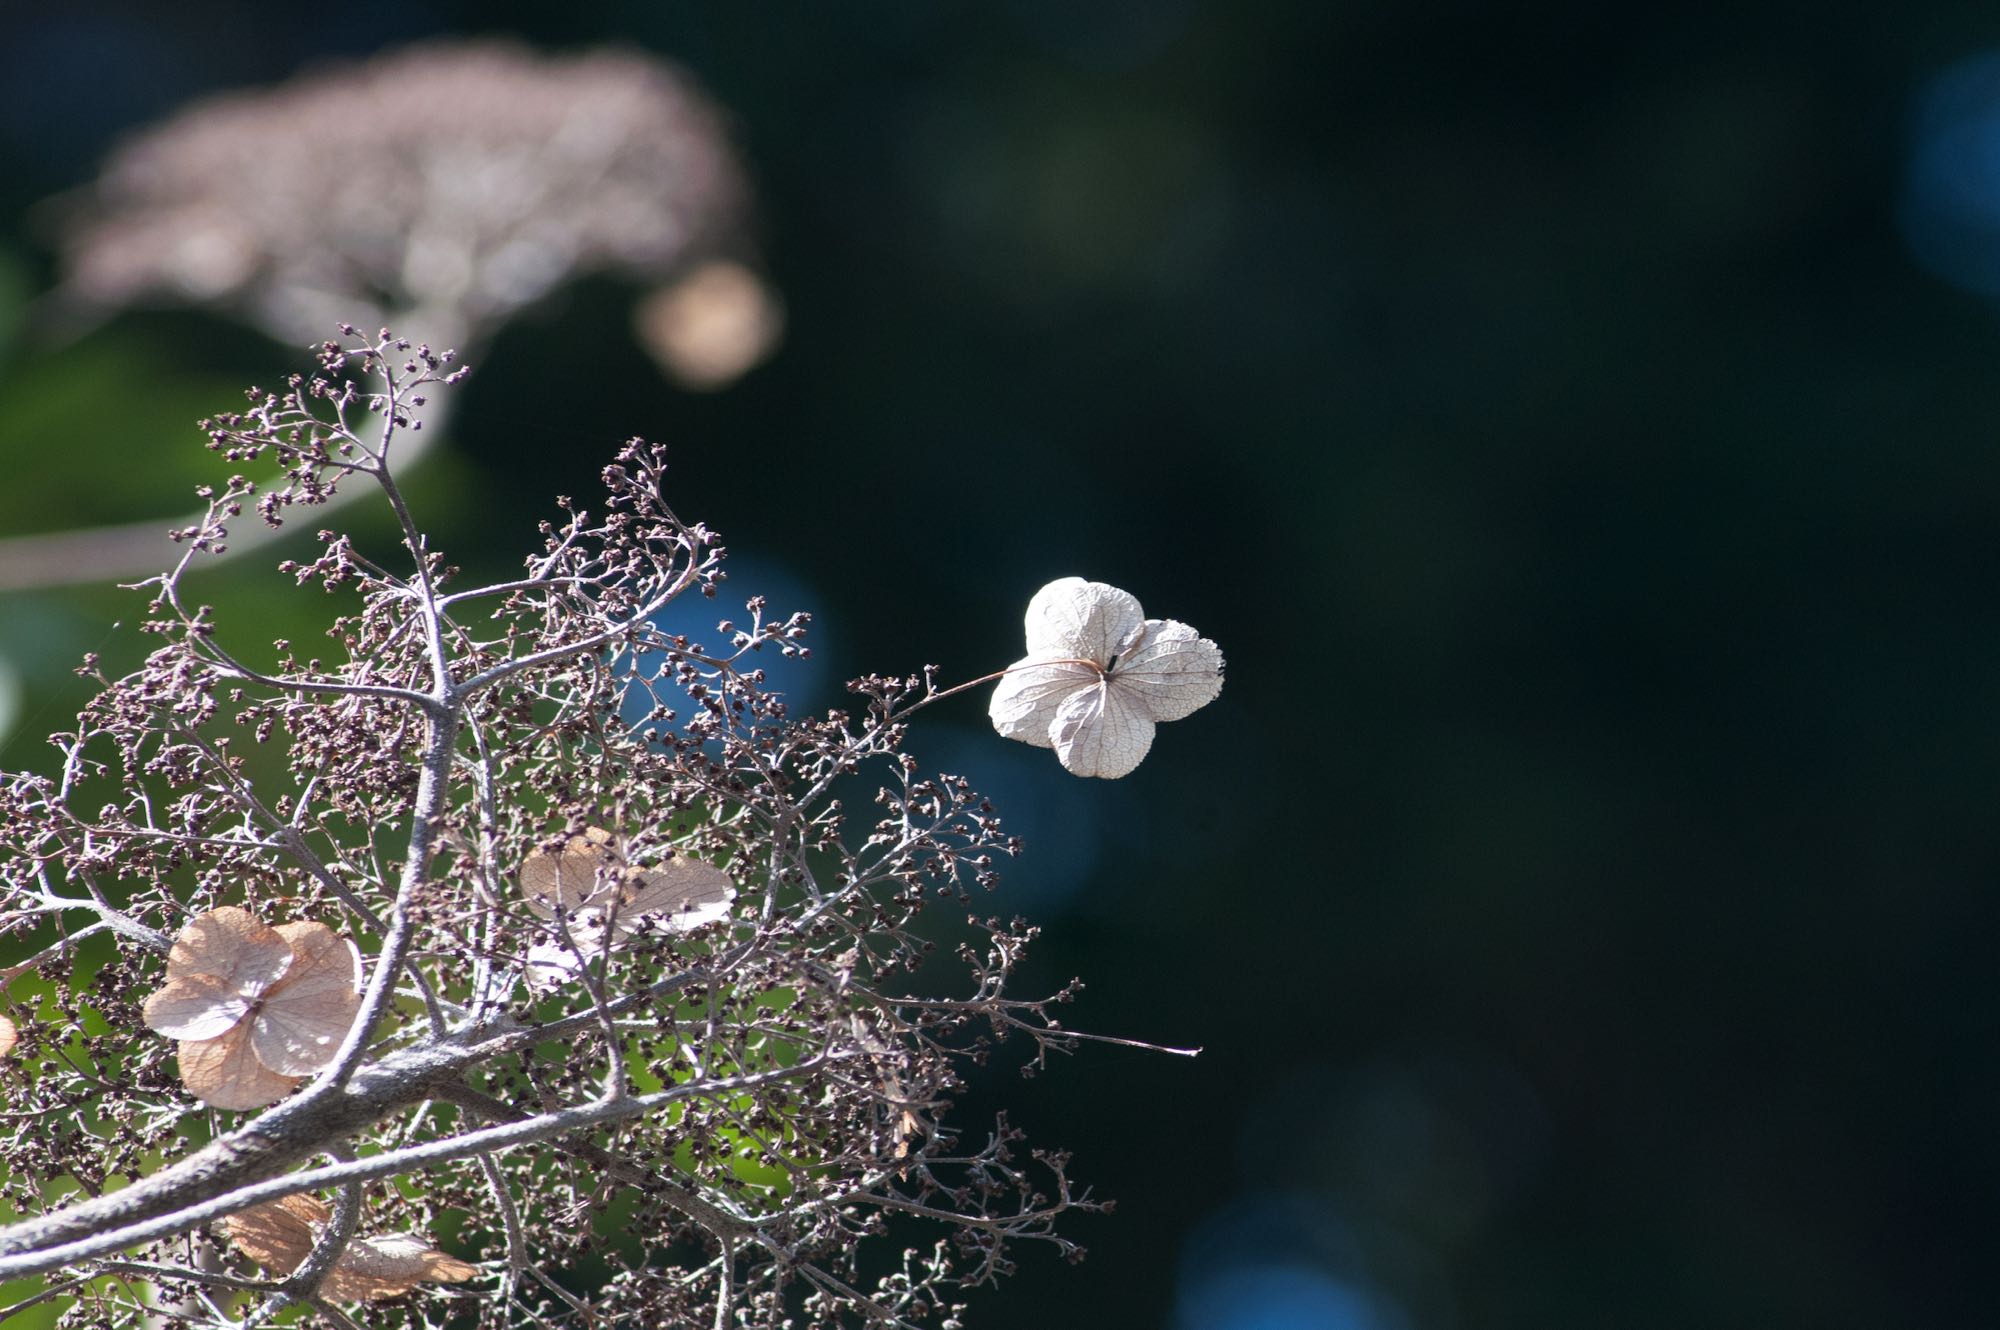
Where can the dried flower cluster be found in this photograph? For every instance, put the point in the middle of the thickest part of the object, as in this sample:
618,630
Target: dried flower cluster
445,185
595,995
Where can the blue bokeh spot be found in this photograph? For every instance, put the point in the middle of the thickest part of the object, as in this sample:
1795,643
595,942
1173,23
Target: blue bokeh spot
1950,208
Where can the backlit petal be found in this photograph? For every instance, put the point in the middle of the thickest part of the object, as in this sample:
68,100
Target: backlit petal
1101,732
195,1006
306,1014
1171,672
552,962
390,1266
549,965
231,945
570,878
681,894
278,1234
1072,618
1025,700
224,1072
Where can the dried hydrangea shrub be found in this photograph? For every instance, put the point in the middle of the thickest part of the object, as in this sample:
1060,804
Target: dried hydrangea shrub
446,184
733,1098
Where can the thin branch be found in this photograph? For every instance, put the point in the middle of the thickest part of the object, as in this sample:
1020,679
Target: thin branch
390,1164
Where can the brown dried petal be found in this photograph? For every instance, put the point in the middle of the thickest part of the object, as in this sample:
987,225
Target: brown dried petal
600,893
682,894
8,1034
305,1015
279,1235
570,878
231,945
390,1266
590,875
224,1072
218,965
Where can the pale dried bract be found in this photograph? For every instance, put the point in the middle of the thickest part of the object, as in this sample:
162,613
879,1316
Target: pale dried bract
279,1235
1098,677
254,1008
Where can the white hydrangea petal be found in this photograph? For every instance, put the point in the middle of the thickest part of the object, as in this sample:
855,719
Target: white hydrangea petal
390,1266
392,1246
1025,700
295,1043
1172,672
1081,620
1101,732
552,962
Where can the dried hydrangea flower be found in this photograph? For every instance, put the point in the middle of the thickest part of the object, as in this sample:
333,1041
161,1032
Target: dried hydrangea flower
255,1008
1099,675
440,187
279,1235
603,900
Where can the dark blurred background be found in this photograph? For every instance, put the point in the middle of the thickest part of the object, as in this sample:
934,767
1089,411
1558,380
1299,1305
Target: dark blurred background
1576,422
